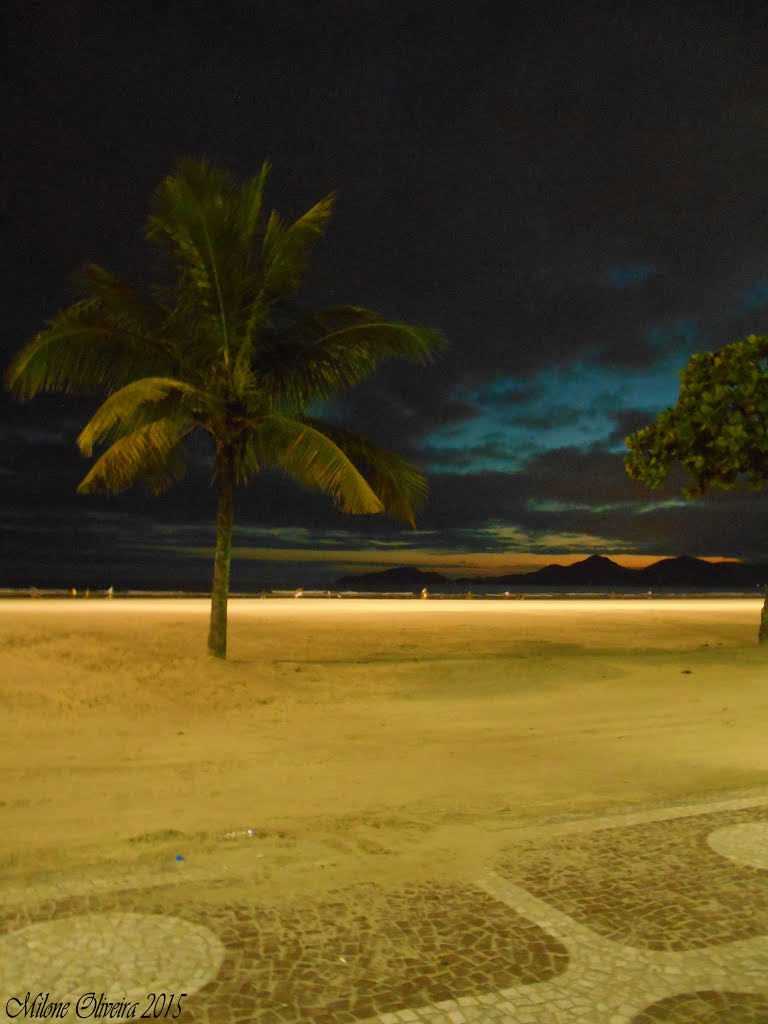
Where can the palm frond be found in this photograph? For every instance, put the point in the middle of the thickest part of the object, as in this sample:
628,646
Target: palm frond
137,405
152,454
121,303
398,484
312,459
81,350
191,216
249,303
159,477
247,208
337,348
285,248
384,340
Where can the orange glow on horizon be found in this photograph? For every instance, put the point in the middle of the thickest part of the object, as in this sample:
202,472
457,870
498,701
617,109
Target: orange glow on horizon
481,563
523,563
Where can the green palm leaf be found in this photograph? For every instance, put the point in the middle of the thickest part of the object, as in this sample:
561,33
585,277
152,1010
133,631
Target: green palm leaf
82,350
285,249
191,217
152,454
335,349
313,460
398,484
137,405
121,304
247,209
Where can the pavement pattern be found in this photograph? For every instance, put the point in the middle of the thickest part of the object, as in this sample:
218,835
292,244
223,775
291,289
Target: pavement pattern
651,917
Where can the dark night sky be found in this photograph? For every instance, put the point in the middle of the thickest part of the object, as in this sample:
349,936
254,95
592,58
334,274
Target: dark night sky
575,194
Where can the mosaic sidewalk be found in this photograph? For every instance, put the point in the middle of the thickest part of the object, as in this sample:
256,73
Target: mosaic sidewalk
654,917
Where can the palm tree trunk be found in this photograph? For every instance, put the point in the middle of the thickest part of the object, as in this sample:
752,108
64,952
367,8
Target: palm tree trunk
762,636
225,480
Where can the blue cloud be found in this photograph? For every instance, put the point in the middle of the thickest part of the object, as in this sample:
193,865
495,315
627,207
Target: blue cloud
625,277
570,407
755,299
677,333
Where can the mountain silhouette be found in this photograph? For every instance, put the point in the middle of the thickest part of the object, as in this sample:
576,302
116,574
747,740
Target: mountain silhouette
683,572
687,571
402,576
597,570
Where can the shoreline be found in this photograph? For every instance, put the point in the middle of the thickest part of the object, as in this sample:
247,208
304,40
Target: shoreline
38,593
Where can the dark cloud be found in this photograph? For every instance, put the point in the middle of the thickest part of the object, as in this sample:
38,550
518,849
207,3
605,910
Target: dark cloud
627,422
553,186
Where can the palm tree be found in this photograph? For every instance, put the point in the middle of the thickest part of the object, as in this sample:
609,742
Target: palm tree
220,350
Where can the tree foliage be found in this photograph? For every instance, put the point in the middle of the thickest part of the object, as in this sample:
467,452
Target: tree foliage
718,430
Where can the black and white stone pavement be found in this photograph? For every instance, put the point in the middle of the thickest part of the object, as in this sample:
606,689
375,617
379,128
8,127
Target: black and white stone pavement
658,916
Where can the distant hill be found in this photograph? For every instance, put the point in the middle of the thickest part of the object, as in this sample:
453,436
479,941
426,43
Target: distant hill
593,571
596,571
599,571
693,572
684,572
388,579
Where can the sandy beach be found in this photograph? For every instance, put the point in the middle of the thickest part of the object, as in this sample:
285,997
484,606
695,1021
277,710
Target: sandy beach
358,740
